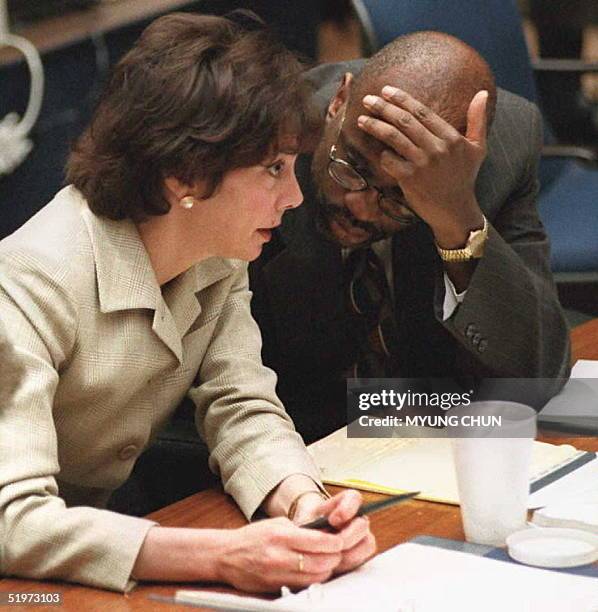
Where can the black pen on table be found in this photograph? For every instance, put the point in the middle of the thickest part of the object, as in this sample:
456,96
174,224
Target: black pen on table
322,523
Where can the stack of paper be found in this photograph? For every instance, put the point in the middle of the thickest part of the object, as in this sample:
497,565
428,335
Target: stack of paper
416,578
395,465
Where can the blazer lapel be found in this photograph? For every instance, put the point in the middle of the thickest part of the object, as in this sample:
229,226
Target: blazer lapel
183,295
125,277
126,280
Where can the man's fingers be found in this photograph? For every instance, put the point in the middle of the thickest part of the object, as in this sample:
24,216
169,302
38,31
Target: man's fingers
395,166
477,119
427,117
392,137
405,121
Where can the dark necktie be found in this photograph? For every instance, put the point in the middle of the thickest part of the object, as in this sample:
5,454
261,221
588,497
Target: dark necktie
369,301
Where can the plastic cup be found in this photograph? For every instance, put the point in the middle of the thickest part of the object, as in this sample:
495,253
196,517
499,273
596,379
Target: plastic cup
492,466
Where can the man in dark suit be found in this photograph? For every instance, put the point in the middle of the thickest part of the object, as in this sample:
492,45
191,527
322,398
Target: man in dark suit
450,209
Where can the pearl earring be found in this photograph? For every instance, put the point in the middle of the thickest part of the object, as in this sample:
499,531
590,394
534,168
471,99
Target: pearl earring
187,202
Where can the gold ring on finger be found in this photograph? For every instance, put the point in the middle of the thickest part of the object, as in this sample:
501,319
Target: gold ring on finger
301,562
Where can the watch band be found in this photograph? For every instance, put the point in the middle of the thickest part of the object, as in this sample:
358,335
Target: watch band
473,249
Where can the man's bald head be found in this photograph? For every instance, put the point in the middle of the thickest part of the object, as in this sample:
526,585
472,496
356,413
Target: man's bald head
439,70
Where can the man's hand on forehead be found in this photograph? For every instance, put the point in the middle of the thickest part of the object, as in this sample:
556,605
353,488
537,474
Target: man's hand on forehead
435,166
422,125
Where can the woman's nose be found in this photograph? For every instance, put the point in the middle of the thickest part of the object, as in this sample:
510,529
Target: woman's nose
293,195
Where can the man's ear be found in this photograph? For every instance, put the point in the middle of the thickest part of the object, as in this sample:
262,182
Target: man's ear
341,96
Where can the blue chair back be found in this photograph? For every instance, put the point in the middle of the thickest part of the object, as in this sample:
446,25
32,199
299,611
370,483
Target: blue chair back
492,27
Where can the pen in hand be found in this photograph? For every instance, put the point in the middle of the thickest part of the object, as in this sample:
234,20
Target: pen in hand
322,523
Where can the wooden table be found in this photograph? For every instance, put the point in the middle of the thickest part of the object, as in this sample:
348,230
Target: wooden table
584,341
214,509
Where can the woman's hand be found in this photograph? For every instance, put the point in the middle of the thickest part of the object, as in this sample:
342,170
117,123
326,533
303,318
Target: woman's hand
359,543
268,554
262,556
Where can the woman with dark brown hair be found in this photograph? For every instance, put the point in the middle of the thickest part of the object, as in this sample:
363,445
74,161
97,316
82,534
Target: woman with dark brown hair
129,291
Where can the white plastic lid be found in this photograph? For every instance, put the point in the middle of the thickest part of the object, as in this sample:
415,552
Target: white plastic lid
553,547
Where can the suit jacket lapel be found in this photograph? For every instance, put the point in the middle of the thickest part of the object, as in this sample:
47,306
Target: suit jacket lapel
305,279
414,256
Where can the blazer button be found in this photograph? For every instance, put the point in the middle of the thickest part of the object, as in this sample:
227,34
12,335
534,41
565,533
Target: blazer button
126,452
476,339
482,345
470,330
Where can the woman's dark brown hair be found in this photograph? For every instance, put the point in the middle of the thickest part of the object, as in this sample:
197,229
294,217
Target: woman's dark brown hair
196,96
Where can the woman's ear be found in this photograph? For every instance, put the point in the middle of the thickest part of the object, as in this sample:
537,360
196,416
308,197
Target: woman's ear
176,188
341,96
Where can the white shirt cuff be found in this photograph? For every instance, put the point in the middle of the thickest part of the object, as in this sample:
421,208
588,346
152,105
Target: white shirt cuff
451,298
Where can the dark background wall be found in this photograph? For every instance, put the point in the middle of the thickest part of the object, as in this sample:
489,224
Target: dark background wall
73,77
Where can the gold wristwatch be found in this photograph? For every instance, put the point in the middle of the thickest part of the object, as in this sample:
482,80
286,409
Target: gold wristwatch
473,249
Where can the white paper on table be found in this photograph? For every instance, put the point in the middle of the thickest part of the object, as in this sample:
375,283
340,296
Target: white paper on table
579,396
585,368
417,578
579,485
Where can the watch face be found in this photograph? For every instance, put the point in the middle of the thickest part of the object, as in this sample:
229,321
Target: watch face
477,240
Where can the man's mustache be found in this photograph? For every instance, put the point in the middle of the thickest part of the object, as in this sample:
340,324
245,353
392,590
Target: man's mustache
331,212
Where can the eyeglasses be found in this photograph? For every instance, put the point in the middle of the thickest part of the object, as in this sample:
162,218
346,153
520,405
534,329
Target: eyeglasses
349,178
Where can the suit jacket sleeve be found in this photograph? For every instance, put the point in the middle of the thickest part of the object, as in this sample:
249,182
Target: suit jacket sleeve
511,320
40,537
252,440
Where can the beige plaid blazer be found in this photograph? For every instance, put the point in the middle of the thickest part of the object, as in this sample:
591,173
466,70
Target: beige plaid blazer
108,356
